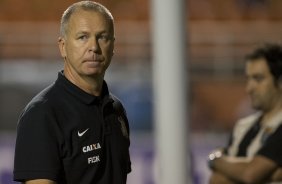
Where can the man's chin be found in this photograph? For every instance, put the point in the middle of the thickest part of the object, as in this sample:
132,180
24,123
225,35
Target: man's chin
96,74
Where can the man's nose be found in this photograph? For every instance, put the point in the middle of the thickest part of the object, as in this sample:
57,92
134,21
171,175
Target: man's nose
93,45
250,86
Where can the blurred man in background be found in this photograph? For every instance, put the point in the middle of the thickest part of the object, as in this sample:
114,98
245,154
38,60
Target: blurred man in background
254,154
75,131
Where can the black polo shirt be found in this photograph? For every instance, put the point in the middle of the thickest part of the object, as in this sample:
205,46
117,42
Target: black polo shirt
69,136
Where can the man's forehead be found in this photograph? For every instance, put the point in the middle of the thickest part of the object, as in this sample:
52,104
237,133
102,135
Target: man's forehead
257,66
259,63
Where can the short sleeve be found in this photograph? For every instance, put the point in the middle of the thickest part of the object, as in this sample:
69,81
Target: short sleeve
37,153
272,148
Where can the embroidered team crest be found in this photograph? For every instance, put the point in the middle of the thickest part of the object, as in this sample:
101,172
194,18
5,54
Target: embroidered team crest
123,127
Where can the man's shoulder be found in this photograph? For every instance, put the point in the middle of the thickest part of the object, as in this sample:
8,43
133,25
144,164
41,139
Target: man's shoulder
42,99
117,104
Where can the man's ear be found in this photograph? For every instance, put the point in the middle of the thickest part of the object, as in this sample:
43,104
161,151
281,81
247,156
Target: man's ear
62,46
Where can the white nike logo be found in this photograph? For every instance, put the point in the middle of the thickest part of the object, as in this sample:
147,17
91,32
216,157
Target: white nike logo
82,133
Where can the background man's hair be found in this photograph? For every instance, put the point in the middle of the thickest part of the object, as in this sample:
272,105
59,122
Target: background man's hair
272,53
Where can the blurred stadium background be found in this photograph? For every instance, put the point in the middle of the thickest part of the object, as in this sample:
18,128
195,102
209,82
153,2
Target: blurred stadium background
219,34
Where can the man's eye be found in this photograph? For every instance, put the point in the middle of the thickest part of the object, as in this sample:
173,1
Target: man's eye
258,78
82,37
103,37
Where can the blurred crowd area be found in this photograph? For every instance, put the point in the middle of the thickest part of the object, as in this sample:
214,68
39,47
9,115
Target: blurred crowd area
219,34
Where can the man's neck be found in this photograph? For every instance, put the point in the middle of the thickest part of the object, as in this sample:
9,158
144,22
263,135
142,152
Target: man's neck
268,115
91,85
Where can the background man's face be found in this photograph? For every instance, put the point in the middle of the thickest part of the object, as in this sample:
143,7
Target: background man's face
260,85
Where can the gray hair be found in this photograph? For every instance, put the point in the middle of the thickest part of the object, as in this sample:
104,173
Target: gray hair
87,6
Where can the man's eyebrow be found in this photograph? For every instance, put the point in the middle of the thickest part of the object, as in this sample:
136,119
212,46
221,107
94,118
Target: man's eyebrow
82,32
98,33
103,32
257,76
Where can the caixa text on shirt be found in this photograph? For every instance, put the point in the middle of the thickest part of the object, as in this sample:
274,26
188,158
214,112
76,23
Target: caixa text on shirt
92,147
